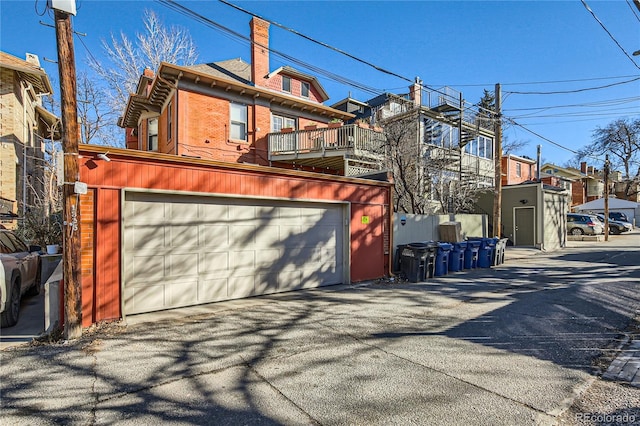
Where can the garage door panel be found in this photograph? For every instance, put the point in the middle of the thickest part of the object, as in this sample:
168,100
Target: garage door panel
183,264
239,213
212,290
241,286
266,283
182,292
241,235
183,236
151,266
215,211
212,262
183,250
214,236
144,298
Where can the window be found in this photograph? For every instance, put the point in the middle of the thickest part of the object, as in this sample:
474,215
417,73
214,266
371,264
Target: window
304,90
518,169
169,120
286,84
152,134
279,122
238,122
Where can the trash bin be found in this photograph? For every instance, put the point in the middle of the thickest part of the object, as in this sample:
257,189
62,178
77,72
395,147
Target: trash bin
442,259
397,260
471,254
418,260
501,247
487,251
456,256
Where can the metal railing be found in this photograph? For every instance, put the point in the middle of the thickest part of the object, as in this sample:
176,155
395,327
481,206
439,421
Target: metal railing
352,138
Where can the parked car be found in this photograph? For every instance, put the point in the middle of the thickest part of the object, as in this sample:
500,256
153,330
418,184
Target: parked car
19,275
619,216
615,227
581,224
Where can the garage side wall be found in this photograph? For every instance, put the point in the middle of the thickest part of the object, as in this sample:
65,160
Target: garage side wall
369,202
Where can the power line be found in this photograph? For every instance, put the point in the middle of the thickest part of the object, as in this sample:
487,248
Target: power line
562,92
540,82
633,11
590,104
610,35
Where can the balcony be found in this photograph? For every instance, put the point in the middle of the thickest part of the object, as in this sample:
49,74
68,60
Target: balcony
353,150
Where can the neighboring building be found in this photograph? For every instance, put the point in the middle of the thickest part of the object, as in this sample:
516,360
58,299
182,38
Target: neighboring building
454,137
237,112
629,208
24,127
586,184
517,170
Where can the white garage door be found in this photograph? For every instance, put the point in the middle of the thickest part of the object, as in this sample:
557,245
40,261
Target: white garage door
188,250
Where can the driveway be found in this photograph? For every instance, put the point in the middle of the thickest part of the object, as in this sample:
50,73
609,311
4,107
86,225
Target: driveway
511,345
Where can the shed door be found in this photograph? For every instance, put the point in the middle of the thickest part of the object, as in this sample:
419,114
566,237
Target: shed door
525,226
187,250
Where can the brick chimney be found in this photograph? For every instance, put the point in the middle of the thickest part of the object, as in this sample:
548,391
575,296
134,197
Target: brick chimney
259,51
583,167
415,92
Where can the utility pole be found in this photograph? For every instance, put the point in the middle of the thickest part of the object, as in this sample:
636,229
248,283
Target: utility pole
497,198
606,198
71,246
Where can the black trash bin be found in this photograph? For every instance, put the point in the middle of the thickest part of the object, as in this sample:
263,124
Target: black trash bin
418,260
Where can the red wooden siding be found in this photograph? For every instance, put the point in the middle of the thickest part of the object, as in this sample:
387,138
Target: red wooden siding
133,169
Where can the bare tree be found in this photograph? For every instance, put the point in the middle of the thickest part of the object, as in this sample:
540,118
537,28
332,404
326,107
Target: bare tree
513,146
621,140
96,114
126,59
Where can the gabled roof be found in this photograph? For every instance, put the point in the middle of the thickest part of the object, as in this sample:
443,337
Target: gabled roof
302,76
169,75
27,71
571,172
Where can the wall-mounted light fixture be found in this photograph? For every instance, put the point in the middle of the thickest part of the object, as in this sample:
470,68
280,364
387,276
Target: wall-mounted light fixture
103,157
524,201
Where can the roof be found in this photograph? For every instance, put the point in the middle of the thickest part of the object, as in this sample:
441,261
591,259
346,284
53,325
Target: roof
27,71
170,75
235,69
577,174
521,159
614,203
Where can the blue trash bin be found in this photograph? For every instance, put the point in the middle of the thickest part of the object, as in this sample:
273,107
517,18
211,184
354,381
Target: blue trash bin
456,256
471,254
486,253
442,259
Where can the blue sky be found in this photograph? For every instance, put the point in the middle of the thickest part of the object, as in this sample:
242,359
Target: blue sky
467,45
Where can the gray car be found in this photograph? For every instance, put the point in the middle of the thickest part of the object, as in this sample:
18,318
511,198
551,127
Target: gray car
583,224
19,275
615,226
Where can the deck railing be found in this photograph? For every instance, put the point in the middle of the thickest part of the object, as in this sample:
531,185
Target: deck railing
353,138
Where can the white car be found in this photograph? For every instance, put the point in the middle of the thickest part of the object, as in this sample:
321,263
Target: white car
19,275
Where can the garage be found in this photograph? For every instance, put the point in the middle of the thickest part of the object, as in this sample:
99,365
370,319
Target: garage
181,250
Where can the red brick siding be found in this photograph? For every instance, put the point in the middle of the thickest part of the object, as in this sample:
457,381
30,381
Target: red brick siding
509,176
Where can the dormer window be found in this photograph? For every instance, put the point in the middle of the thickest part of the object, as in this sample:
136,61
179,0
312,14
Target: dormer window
286,84
304,89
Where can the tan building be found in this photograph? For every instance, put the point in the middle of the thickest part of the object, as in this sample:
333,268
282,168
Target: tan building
24,127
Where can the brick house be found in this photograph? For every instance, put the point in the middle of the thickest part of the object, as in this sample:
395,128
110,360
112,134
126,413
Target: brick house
237,112
24,127
517,170
586,184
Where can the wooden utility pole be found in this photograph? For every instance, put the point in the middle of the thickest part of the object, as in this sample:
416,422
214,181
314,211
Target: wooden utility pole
71,211
497,199
606,198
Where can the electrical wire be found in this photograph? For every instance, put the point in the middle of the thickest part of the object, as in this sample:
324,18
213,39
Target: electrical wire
633,11
576,80
562,92
585,105
609,33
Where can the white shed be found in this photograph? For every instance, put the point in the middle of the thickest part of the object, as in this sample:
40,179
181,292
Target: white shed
629,208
